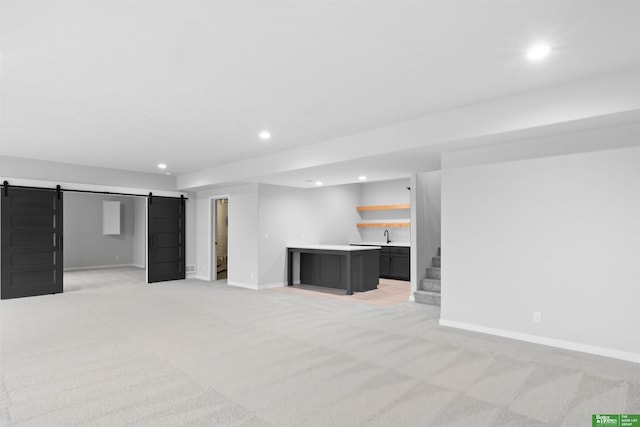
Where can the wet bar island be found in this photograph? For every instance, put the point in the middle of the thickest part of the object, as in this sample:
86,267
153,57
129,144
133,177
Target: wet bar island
352,268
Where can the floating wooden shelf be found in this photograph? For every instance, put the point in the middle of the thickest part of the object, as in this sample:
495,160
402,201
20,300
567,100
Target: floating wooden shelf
383,207
383,224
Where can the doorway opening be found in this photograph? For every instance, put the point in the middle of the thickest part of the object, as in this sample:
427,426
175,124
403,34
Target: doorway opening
220,238
105,240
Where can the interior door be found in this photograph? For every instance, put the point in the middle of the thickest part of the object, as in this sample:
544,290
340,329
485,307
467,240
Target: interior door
166,239
31,242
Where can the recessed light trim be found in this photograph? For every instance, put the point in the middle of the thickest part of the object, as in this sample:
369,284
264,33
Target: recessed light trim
265,135
162,166
318,183
362,178
538,51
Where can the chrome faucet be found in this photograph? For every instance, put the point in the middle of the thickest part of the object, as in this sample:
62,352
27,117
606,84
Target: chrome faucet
386,233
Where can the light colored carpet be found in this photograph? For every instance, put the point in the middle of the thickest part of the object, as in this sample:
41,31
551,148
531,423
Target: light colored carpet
113,351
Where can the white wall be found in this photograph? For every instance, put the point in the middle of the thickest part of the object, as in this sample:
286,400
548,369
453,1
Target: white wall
191,231
243,234
288,216
284,219
140,227
333,213
430,184
84,244
426,223
392,192
557,235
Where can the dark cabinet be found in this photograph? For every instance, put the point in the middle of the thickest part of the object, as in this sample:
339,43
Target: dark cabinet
399,264
395,262
384,263
324,268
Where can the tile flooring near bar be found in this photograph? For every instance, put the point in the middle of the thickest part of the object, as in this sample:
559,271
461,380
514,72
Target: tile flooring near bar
113,351
389,292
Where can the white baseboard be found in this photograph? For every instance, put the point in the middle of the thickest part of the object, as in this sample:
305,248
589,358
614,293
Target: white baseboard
271,285
551,342
195,276
242,285
256,287
100,267
138,265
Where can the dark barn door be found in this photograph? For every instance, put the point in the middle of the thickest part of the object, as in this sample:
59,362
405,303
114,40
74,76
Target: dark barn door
166,239
31,242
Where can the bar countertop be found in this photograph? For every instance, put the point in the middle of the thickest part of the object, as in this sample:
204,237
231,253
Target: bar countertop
345,248
396,244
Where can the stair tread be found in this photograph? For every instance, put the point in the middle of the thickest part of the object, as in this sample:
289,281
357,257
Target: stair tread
434,293
427,297
434,272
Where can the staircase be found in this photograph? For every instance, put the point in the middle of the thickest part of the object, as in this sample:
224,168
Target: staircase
429,289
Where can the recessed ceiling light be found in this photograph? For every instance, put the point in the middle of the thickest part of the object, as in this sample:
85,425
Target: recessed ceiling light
265,135
538,51
168,173
362,178
162,166
318,183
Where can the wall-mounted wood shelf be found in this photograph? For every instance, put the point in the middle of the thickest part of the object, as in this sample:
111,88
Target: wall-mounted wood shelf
383,207
383,224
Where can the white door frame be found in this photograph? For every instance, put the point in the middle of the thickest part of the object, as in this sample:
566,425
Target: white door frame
213,270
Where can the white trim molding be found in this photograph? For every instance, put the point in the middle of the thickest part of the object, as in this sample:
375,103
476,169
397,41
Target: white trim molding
271,285
256,287
100,267
242,285
551,342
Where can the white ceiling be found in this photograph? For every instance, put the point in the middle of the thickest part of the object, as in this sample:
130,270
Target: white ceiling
129,84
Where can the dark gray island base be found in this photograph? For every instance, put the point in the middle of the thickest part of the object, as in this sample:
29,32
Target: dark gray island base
352,268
